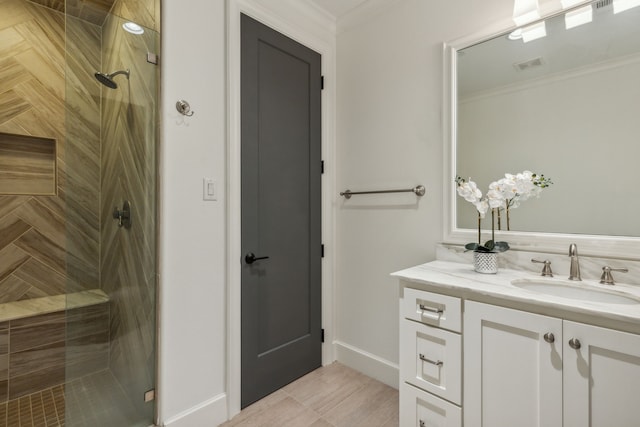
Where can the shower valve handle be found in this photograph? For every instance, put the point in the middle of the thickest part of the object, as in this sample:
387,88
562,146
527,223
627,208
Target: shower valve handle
123,216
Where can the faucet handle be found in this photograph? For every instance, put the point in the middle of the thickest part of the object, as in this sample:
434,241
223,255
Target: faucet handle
607,277
546,270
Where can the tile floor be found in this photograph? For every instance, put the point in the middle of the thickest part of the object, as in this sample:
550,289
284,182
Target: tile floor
331,396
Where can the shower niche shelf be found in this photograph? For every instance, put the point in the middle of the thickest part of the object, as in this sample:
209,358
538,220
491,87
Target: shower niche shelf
27,165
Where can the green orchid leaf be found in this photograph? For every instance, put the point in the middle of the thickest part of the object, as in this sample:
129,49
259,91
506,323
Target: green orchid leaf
501,246
490,244
471,246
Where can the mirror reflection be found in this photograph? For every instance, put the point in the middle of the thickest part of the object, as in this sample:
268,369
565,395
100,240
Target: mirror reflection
566,105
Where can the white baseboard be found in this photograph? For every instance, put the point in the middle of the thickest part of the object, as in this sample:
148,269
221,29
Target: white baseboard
210,413
367,363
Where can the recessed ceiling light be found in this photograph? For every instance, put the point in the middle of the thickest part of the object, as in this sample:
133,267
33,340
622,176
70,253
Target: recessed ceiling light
133,28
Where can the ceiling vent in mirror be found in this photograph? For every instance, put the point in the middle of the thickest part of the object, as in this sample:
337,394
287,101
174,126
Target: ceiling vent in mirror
603,3
527,65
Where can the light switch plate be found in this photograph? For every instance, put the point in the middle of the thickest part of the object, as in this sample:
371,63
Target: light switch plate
209,190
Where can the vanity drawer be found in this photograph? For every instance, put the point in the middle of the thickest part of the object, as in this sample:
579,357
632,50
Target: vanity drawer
432,309
430,358
419,408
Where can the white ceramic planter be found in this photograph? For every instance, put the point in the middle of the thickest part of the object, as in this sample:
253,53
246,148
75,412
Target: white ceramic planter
485,262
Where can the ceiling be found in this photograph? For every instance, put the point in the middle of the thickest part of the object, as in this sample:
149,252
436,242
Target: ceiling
338,8
493,64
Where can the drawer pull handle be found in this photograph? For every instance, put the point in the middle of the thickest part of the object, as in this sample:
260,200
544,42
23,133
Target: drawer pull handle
549,337
422,424
431,310
433,362
575,343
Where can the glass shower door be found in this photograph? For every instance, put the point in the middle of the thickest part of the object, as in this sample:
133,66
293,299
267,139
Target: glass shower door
111,187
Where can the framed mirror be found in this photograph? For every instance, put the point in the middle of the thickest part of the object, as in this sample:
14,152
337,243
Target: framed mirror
566,105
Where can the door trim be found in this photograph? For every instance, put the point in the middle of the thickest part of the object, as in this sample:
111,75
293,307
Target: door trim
327,49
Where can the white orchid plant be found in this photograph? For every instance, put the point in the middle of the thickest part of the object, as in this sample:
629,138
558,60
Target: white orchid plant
504,194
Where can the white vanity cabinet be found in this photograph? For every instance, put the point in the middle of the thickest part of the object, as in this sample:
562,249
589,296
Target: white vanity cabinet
476,352
526,369
513,374
430,360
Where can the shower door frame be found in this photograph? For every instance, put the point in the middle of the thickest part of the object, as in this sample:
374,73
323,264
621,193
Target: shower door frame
327,50
152,104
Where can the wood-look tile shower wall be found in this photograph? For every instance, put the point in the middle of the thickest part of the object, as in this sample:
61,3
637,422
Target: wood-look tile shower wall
49,245
93,11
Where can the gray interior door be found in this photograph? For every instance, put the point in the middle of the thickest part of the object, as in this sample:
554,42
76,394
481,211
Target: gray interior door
281,262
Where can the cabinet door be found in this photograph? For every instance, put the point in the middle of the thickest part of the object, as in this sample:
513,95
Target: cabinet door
512,375
601,377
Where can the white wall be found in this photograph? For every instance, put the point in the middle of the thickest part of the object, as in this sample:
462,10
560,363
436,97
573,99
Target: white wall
192,260
197,383
389,135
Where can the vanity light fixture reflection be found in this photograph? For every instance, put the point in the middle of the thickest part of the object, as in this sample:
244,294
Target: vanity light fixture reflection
578,17
533,32
566,4
525,11
622,5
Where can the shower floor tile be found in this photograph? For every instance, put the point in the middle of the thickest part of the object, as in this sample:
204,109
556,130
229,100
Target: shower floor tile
95,400
45,408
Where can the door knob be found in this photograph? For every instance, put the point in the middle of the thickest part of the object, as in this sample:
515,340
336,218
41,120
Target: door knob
250,258
549,337
574,343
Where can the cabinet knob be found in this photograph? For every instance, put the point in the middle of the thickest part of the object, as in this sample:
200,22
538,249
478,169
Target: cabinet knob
574,343
549,337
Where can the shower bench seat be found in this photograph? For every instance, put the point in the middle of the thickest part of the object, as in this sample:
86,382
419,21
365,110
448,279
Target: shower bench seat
44,305
48,341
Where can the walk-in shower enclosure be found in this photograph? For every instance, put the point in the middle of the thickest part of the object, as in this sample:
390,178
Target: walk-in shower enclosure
78,177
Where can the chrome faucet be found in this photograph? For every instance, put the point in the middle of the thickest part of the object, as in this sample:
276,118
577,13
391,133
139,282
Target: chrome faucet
574,268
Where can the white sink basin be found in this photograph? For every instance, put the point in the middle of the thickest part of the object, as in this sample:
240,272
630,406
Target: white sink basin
575,291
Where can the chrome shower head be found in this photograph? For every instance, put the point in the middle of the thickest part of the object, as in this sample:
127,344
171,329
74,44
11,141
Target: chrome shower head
107,79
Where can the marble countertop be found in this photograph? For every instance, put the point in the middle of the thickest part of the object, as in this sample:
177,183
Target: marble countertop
461,279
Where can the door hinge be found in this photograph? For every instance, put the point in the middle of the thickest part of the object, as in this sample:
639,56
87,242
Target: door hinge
322,166
321,251
322,335
321,82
